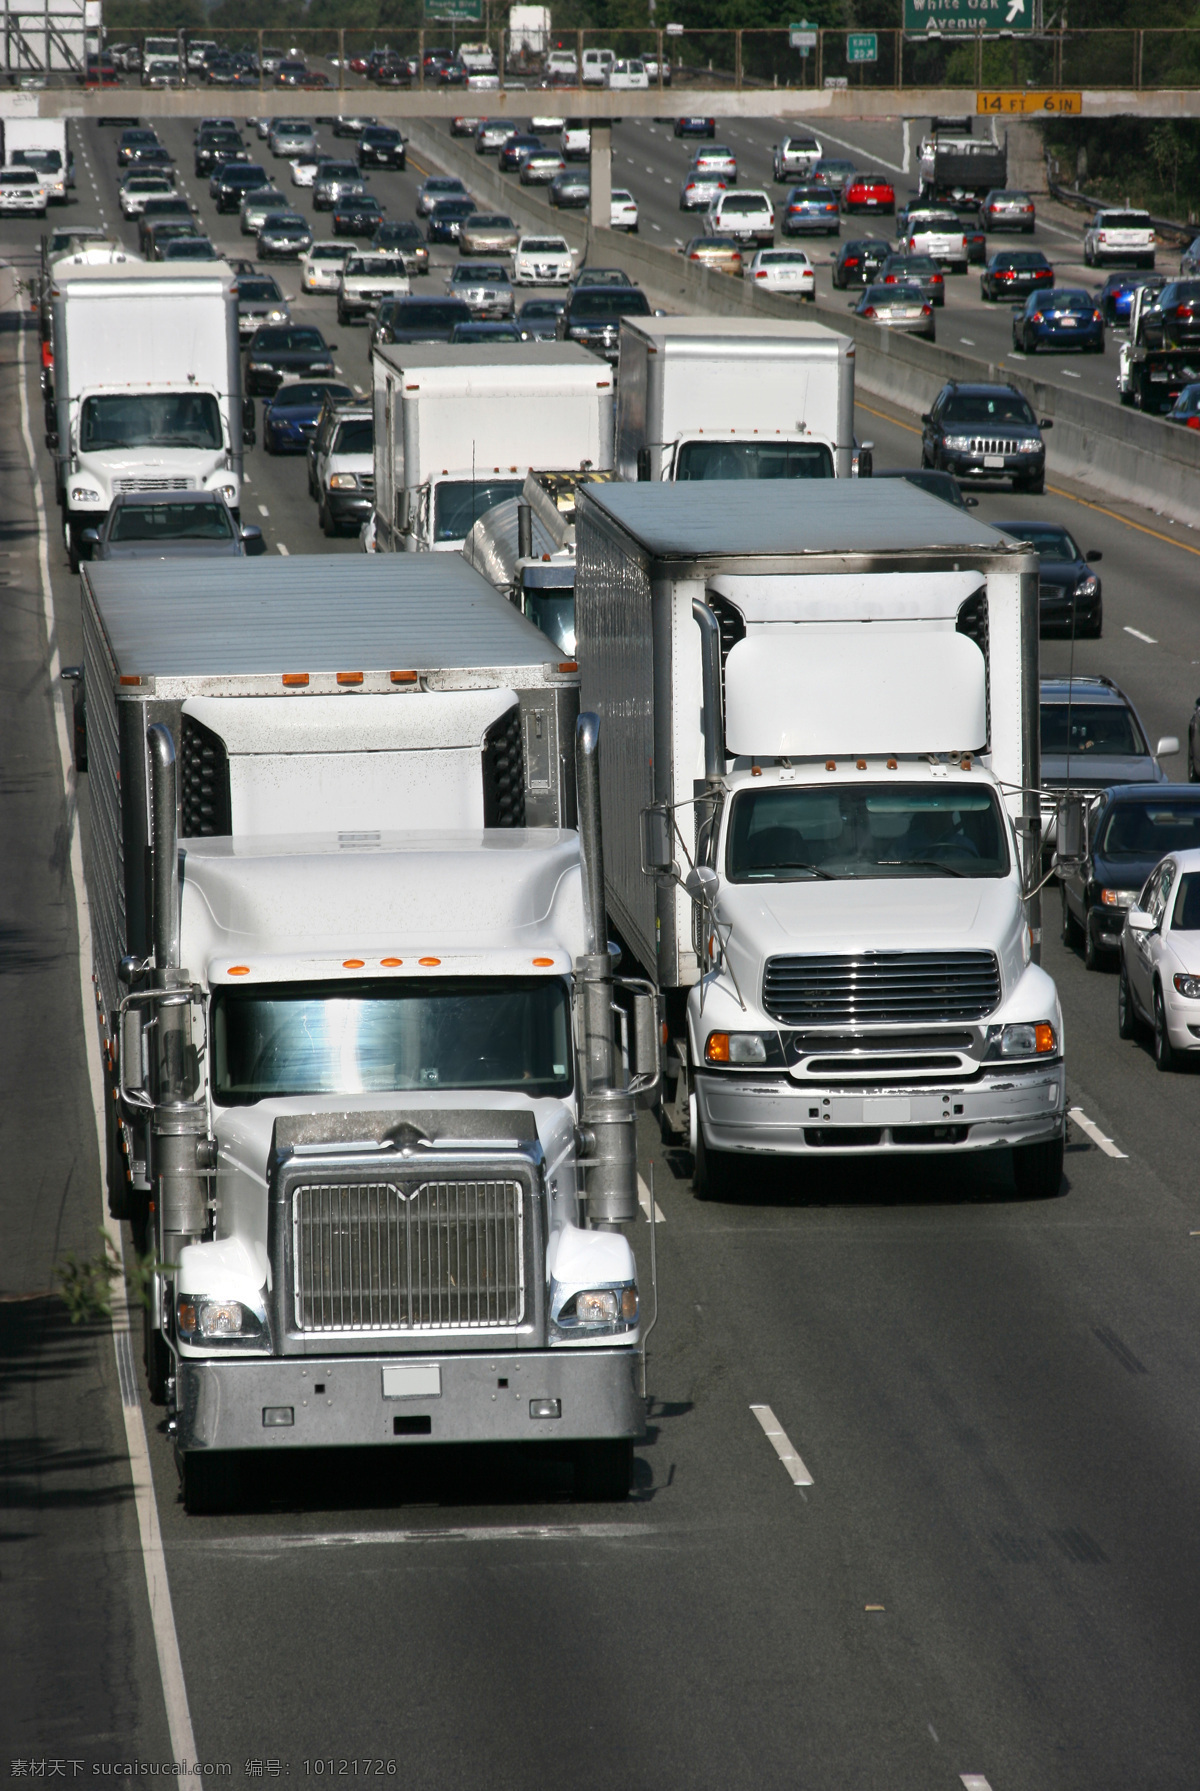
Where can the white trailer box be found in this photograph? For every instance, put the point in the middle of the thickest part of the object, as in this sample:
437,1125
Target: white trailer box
343,978
827,699
528,30
147,385
734,398
457,429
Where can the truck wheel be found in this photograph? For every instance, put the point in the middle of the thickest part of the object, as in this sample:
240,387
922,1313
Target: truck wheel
1128,1026
1037,1169
212,1482
603,1470
713,1174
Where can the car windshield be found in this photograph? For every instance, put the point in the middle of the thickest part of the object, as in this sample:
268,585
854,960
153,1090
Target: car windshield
459,503
891,295
1106,729
423,314
195,248
307,393
1150,829
288,221
987,407
488,221
355,436
339,171
544,245
306,341
543,308
359,202
1068,299
378,267
172,522
1054,545
753,460
739,203
329,252
911,264
1124,220
398,233
872,830
485,332
257,289
150,420
1032,259
602,303
934,220
472,273
783,258
358,1038
447,183
451,208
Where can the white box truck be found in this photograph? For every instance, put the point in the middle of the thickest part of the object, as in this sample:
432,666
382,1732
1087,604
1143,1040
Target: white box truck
458,428
147,386
821,794
734,398
40,143
367,1106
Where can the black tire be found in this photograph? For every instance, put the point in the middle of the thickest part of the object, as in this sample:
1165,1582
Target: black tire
71,541
1166,1058
603,1470
211,1482
1072,932
157,1358
1091,951
713,1174
1193,775
1097,629
329,527
1037,1169
1034,487
1128,1024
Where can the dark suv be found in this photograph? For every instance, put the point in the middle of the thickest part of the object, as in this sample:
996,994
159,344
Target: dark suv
593,317
1130,829
985,432
379,146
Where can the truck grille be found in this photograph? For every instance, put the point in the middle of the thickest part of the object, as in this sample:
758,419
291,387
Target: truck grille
882,987
182,484
372,1256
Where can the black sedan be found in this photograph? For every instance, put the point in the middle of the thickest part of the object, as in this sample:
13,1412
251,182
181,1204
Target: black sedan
277,350
1179,309
379,146
130,141
447,219
695,127
593,314
406,237
358,214
518,145
1014,273
1070,600
234,181
284,236
1132,827
419,320
538,318
857,262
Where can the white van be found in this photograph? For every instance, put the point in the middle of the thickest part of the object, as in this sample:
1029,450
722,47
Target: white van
628,76
596,64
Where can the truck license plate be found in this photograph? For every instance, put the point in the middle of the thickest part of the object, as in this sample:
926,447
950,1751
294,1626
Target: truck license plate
412,1380
996,460
886,1110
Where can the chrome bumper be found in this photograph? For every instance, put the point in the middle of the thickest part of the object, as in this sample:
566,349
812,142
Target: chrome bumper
778,1117
482,1399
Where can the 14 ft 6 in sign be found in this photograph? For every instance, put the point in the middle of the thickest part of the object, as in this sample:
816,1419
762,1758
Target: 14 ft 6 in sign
967,15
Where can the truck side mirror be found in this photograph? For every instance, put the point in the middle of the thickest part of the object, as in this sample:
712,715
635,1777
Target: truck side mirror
702,883
1071,832
644,1040
658,841
643,465
1045,422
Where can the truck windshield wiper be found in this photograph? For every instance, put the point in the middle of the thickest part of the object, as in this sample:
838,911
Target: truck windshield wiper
814,870
928,864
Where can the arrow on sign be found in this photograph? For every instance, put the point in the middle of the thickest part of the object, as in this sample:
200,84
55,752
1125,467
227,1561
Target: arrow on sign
1016,9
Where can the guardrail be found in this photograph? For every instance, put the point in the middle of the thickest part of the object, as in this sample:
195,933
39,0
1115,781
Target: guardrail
1120,453
1186,233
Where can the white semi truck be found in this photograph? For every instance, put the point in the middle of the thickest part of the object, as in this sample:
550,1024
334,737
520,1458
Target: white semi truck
367,1109
147,385
822,706
734,398
458,428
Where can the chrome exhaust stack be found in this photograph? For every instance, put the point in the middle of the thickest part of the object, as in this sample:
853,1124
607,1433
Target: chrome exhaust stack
606,1110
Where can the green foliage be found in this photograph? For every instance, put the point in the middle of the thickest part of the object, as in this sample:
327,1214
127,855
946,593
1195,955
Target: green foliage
1153,163
86,1283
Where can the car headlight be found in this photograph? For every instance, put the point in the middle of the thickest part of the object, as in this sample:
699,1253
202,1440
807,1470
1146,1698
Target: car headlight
344,482
83,494
1025,1039
1028,444
961,443
1087,587
200,1319
1187,985
1118,898
276,316
594,1310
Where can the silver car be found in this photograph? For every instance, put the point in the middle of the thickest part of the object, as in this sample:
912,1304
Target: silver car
484,287
438,186
336,180
176,525
257,208
294,137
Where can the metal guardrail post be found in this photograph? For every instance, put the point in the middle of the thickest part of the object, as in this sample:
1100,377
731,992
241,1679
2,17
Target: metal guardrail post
737,60
500,61
659,35
819,77
260,66
1137,60
341,61
421,59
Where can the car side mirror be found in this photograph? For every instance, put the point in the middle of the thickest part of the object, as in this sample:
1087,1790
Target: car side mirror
91,538
52,439
1045,422
971,503
1139,921
925,417
332,347
252,539
1094,558
1167,747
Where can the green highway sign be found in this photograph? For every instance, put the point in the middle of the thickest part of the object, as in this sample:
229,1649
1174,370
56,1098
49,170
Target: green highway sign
933,17
803,36
862,46
465,12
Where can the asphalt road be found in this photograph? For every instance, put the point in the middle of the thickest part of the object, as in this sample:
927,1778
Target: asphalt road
993,1572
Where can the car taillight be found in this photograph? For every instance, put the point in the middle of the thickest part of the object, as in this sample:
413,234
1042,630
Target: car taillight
1096,317
760,273
1036,317
926,310
870,311
889,279
937,279
850,261
1183,311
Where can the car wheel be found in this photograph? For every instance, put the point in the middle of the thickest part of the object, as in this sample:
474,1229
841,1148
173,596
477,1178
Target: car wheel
984,294
1097,628
1037,1169
329,527
1193,774
1165,1055
1128,1025
1072,932
1091,951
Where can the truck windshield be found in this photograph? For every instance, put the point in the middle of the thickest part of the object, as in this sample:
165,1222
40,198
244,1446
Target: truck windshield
754,460
358,1038
150,420
459,503
872,830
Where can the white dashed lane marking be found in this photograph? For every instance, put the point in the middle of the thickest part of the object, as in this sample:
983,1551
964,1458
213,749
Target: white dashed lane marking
1092,1131
777,1437
1139,636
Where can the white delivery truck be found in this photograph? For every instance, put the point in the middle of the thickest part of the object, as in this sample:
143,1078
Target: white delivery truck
734,398
823,833
458,428
40,143
367,1108
147,386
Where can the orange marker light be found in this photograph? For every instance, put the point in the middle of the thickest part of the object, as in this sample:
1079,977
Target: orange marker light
429,960
349,677
239,970
1044,1036
717,1048
130,679
568,665
404,677
544,963
295,679
391,963
352,963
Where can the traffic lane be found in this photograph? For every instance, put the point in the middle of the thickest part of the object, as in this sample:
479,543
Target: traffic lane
80,1673
1148,572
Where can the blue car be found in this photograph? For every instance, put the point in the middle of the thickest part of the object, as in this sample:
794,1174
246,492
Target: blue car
811,211
290,417
1115,297
1065,317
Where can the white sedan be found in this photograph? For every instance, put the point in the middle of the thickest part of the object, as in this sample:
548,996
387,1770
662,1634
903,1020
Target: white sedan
135,189
543,261
1160,961
624,211
785,270
321,269
304,170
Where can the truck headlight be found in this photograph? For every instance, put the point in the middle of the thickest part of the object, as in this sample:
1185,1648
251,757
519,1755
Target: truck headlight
1028,444
83,494
229,493
1025,1039
1187,985
595,1309
201,1319
735,1047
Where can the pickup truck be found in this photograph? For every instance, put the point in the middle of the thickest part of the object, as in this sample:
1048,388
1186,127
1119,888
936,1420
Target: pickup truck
1119,236
365,280
795,158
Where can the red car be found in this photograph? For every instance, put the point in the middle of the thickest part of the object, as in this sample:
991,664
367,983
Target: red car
868,192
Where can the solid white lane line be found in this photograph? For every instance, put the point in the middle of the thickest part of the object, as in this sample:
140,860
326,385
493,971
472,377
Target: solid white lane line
974,1781
270,1545
1093,1131
966,341
876,161
263,511
1139,636
644,1203
1068,373
778,1440
283,550
166,1640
